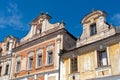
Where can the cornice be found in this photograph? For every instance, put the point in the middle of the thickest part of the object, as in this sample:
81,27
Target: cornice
93,46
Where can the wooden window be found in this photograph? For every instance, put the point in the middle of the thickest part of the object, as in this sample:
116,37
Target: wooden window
0,70
102,58
30,63
49,57
6,69
74,67
39,60
18,66
93,29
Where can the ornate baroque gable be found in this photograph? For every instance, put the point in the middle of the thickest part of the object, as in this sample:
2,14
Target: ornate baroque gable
95,28
41,26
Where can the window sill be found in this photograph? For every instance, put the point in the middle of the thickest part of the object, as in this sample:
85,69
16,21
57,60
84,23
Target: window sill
39,67
17,72
103,67
30,69
47,65
75,73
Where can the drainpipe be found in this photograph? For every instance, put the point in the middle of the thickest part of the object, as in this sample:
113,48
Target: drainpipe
60,55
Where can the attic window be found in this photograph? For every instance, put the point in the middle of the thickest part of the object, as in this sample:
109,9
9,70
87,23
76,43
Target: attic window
93,29
38,30
7,46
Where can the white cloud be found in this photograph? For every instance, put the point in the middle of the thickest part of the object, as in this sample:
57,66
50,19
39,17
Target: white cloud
116,19
13,19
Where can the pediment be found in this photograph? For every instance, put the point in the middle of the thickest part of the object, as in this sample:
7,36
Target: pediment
93,15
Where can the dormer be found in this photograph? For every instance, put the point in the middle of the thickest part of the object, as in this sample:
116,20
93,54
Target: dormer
95,28
39,27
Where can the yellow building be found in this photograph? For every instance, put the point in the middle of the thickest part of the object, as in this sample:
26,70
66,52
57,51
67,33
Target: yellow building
97,52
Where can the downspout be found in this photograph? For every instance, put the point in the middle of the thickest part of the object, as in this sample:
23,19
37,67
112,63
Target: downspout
60,55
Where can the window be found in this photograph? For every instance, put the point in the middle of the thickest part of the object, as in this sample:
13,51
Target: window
74,65
30,62
18,66
0,70
38,30
6,69
39,60
49,57
93,29
7,46
102,58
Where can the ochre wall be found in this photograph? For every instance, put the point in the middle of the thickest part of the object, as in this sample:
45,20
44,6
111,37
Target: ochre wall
87,64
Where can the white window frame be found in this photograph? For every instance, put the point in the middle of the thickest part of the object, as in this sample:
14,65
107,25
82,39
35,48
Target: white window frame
7,70
50,48
48,56
103,60
30,55
39,52
18,59
17,66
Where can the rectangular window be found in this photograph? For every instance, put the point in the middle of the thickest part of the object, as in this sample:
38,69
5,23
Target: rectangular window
18,66
0,70
39,60
38,30
102,58
93,29
50,57
7,46
30,62
74,65
6,69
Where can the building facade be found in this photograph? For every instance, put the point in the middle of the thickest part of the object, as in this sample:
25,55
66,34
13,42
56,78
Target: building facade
50,52
6,57
36,57
97,51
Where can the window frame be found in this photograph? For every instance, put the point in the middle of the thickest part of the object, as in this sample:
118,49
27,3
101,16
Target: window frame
17,66
93,27
38,66
30,68
7,69
99,58
7,46
39,28
71,65
48,58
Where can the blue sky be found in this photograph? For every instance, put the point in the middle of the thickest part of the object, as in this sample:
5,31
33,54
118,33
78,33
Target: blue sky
15,15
